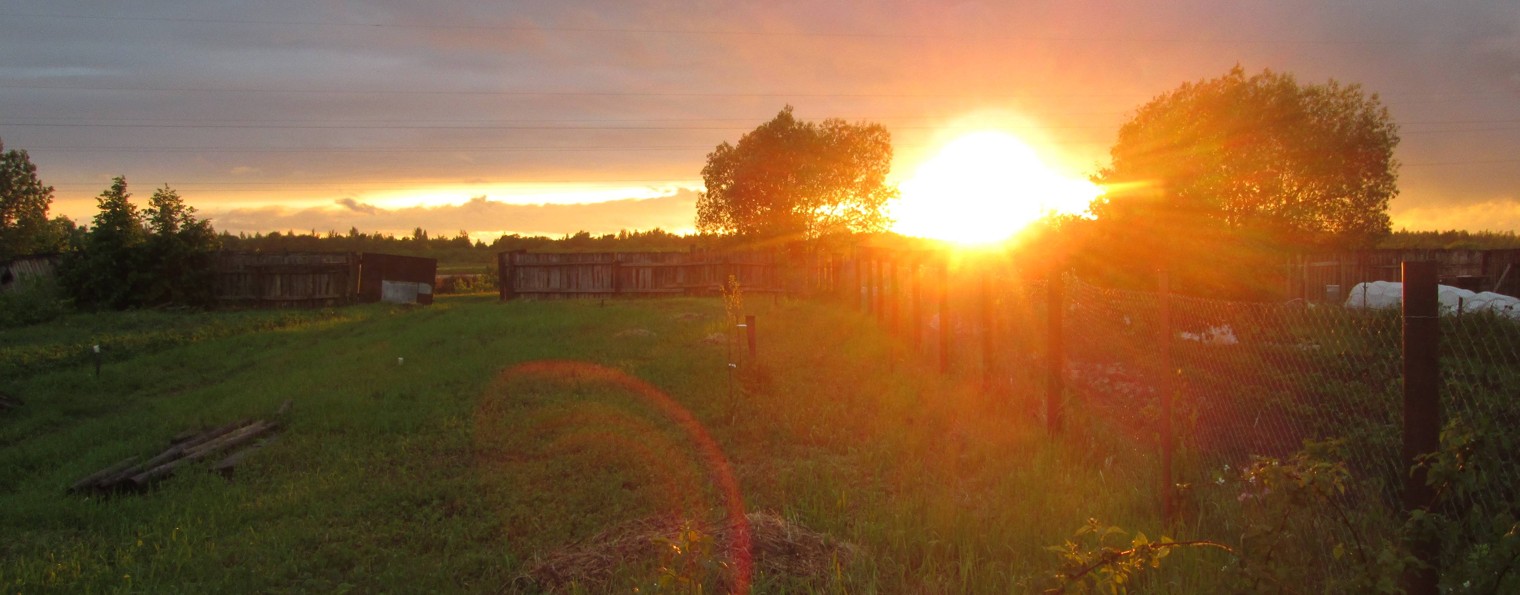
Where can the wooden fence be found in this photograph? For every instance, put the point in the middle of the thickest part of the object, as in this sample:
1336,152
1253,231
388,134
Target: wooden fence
1331,277
611,274
14,273
286,279
318,279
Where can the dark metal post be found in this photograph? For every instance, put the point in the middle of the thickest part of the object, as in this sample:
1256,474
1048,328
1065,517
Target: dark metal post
1168,374
1422,409
749,333
916,316
876,288
944,318
1055,349
989,330
893,305
852,289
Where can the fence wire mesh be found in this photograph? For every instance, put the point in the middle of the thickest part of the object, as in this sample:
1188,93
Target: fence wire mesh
1260,379
1480,369
1248,379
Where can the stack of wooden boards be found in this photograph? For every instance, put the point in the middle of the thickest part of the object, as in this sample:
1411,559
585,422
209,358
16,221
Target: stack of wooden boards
233,442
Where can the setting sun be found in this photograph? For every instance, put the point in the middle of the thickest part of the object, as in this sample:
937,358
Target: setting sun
985,187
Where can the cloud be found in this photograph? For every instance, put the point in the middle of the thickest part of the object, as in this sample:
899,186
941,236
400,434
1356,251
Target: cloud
357,207
480,214
386,92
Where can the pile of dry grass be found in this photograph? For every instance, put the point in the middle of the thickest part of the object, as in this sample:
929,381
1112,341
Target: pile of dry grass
778,548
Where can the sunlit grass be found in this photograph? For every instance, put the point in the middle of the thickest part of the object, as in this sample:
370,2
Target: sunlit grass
442,473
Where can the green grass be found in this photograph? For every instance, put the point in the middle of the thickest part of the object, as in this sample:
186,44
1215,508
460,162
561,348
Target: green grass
454,470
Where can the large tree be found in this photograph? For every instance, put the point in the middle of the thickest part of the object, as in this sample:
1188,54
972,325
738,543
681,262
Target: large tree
24,201
134,258
1260,160
794,179
178,253
106,271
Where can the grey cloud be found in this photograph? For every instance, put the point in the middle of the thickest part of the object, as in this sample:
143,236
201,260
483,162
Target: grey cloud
357,207
1077,66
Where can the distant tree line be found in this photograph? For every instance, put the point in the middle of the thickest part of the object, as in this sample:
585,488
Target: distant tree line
459,248
1451,240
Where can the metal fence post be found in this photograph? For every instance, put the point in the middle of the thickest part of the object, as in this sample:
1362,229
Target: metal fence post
876,289
1056,349
1167,386
1422,409
916,315
749,334
989,339
892,306
944,317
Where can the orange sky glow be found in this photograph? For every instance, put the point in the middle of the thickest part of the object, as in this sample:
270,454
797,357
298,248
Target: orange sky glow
386,116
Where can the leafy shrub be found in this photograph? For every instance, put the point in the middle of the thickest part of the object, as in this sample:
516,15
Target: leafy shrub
31,301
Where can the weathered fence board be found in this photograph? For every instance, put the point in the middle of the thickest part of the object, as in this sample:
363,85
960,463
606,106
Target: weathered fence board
299,279
1330,277
318,279
610,274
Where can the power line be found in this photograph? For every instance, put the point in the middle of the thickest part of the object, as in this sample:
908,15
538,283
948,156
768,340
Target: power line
492,125
719,32
539,93
748,120
744,127
1443,97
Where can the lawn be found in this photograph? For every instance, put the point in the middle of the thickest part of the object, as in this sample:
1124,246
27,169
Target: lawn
478,446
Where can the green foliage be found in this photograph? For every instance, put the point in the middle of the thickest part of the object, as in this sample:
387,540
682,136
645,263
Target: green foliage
106,270
798,180
1104,559
1296,531
178,253
445,475
32,301
1229,173
1306,525
687,564
130,258
1473,517
24,201
458,251
1301,528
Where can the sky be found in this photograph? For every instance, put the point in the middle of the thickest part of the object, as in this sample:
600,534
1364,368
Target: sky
566,115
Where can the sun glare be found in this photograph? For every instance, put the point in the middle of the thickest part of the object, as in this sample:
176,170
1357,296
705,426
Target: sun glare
985,187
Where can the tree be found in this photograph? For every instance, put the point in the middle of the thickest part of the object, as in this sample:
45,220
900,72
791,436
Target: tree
794,179
106,270
24,202
131,258
178,253
1250,167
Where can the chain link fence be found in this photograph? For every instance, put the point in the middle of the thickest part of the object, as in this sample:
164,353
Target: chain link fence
1248,379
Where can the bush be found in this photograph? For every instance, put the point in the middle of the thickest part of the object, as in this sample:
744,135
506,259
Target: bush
31,301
